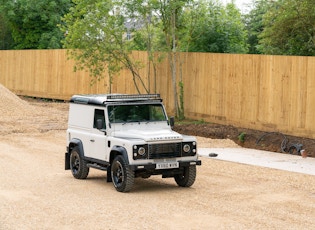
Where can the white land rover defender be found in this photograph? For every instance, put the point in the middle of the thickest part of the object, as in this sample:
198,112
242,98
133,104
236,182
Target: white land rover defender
128,136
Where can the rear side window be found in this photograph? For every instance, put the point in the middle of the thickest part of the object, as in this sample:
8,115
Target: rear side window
99,114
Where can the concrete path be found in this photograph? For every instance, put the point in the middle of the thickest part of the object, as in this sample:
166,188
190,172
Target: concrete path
267,159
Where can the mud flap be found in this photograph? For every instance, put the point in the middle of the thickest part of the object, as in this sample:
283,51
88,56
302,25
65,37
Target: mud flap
67,161
109,175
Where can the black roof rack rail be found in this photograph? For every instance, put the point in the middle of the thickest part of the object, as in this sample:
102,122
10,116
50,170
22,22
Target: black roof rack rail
133,97
101,99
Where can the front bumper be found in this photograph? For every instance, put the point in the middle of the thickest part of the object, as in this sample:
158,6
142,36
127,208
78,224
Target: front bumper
152,166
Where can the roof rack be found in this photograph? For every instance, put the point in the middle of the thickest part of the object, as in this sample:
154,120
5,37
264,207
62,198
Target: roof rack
133,97
100,99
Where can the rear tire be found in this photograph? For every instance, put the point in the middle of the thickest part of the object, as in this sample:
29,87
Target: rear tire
187,178
122,176
78,165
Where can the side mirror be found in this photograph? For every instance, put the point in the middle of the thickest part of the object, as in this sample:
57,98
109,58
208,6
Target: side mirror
99,124
172,122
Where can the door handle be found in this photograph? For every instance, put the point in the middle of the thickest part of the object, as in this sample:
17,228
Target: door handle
92,140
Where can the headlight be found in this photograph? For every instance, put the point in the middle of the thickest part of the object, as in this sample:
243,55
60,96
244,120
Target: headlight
189,149
186,148
141,151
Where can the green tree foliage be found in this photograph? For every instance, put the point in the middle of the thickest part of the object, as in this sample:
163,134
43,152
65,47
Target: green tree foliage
219,29
289,28
254,23
6,40
96,36
34,22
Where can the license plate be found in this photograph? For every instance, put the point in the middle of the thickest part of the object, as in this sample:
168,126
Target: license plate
167,165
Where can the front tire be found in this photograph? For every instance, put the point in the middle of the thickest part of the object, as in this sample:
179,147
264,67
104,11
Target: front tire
78,165
122,175
187,178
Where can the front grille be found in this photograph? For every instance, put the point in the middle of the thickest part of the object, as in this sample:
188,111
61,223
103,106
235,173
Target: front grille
171,150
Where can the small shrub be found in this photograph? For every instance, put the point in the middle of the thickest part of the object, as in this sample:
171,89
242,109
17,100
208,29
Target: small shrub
241,137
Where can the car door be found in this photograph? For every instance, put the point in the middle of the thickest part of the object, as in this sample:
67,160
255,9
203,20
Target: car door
98,137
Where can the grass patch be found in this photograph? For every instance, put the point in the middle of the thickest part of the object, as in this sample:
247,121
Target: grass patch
191,122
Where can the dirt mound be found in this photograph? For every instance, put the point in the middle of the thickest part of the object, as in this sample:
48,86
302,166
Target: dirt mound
13,111
18,115
12,105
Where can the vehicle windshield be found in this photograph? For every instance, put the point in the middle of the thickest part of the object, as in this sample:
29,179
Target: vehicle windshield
136,113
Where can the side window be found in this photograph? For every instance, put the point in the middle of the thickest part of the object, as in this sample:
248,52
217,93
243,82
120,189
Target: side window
99,114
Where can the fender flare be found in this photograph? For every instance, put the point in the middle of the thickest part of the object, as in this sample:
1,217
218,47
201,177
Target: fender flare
115,151
76,142
73,143
118,150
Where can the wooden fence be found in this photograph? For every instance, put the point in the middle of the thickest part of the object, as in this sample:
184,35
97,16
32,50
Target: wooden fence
270,93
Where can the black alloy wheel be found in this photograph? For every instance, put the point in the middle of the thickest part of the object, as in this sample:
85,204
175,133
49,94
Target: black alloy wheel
122,175
78,165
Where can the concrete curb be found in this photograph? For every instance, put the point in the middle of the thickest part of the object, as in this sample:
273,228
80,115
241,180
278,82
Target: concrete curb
292,163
